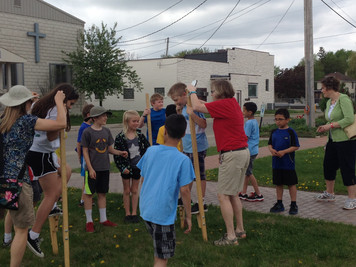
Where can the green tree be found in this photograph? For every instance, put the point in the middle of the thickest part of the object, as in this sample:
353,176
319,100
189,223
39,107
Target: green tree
99,65
190,52
351,70
290,83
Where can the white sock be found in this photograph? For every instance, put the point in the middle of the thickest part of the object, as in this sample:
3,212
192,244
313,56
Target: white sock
7,237
34,235
55,205
102,213
88,215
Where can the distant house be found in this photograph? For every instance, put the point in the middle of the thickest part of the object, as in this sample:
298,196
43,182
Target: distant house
33,34
350,84
250,72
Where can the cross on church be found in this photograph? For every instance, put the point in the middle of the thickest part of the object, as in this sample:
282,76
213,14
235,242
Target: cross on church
37,36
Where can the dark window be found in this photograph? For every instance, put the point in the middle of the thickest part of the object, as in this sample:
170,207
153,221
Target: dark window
202,93
252,90
59,73
267,84
17,74
129,93
159,90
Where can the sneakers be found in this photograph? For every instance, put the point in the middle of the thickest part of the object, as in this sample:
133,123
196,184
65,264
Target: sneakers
277,208
325,196
135,219
293,209
253,197
6,244
34,245
350,204
243,196
89,227
56,211
108,223
224,241
195,208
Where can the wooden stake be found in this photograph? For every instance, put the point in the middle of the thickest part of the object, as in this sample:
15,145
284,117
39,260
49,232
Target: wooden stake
197,174
64,201
53,228
149,126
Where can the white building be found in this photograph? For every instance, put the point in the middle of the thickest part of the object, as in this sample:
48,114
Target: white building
250,72
33,35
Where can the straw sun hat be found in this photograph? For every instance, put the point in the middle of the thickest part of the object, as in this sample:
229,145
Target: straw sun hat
17,95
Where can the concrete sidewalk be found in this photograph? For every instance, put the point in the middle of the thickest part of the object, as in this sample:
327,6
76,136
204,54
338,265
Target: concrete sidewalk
308,207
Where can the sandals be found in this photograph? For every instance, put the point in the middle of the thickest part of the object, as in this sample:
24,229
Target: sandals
224,241
241,235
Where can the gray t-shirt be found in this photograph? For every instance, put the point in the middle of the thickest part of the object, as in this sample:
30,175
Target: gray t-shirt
98,142
134,150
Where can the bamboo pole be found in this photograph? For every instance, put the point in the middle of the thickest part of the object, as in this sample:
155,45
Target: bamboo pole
201,215
149,126
64,201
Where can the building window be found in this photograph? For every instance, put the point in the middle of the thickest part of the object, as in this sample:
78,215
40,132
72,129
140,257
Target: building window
17,74
202,93
129,93
267,85
159,90
17,3
252,90
59,73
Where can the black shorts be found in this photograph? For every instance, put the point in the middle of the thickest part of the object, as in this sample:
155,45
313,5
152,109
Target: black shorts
340,155
136,174
98,185
284,177
164,239
41,163
201,160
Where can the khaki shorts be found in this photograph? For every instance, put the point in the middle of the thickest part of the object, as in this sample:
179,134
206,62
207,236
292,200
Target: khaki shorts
24,217
232,169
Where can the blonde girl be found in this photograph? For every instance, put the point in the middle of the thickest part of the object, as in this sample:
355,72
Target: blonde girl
130,139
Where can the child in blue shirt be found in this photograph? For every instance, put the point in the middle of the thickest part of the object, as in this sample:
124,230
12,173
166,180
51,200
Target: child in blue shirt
282,144
178,94
253,134
158,116
163,179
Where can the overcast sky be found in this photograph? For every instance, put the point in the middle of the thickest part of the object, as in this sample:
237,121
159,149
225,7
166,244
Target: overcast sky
274,26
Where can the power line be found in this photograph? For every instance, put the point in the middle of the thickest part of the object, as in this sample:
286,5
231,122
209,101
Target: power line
149,18
285,13
338,14
343,11
165,26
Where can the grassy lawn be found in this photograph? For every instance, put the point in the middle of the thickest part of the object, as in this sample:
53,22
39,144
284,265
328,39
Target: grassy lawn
273,240
116,117
309,167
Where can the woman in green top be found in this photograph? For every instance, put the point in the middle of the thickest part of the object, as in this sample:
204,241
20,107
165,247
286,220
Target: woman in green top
340,152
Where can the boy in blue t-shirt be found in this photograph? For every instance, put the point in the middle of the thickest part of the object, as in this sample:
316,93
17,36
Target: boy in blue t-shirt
162,181
178,94
158,116
282,144
253,134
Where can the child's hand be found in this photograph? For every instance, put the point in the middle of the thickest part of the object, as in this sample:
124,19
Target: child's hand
281,153
190,110
146,112
274,152
59,97
124,154
92,174
126,171
188,224
191,88
323,128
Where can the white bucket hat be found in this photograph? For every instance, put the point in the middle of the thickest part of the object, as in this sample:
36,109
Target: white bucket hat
17,95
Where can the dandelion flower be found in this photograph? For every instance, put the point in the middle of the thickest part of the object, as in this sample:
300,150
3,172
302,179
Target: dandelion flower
136,230
117,246
102,262
114,236
129,236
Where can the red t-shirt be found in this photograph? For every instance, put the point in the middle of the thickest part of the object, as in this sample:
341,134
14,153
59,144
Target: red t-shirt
228,124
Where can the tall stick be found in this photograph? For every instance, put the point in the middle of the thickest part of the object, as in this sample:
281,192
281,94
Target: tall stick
64,200
149,126
197,175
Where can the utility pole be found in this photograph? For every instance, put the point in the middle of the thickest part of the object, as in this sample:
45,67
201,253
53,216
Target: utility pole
309,62
167,46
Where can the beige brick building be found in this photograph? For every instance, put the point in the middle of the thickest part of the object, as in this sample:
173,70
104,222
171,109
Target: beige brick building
250,72
36,62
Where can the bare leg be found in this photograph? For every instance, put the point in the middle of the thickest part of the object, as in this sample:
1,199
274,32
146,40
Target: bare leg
351,191
101,200
52,186
126,196
134,196
18,246
330,186
244,188
254,183
228,215
160,262
88,202
237,208
279,191
8,223
203,187
293,192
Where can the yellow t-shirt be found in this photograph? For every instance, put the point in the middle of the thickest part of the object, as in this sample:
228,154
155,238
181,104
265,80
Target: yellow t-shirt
160,139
